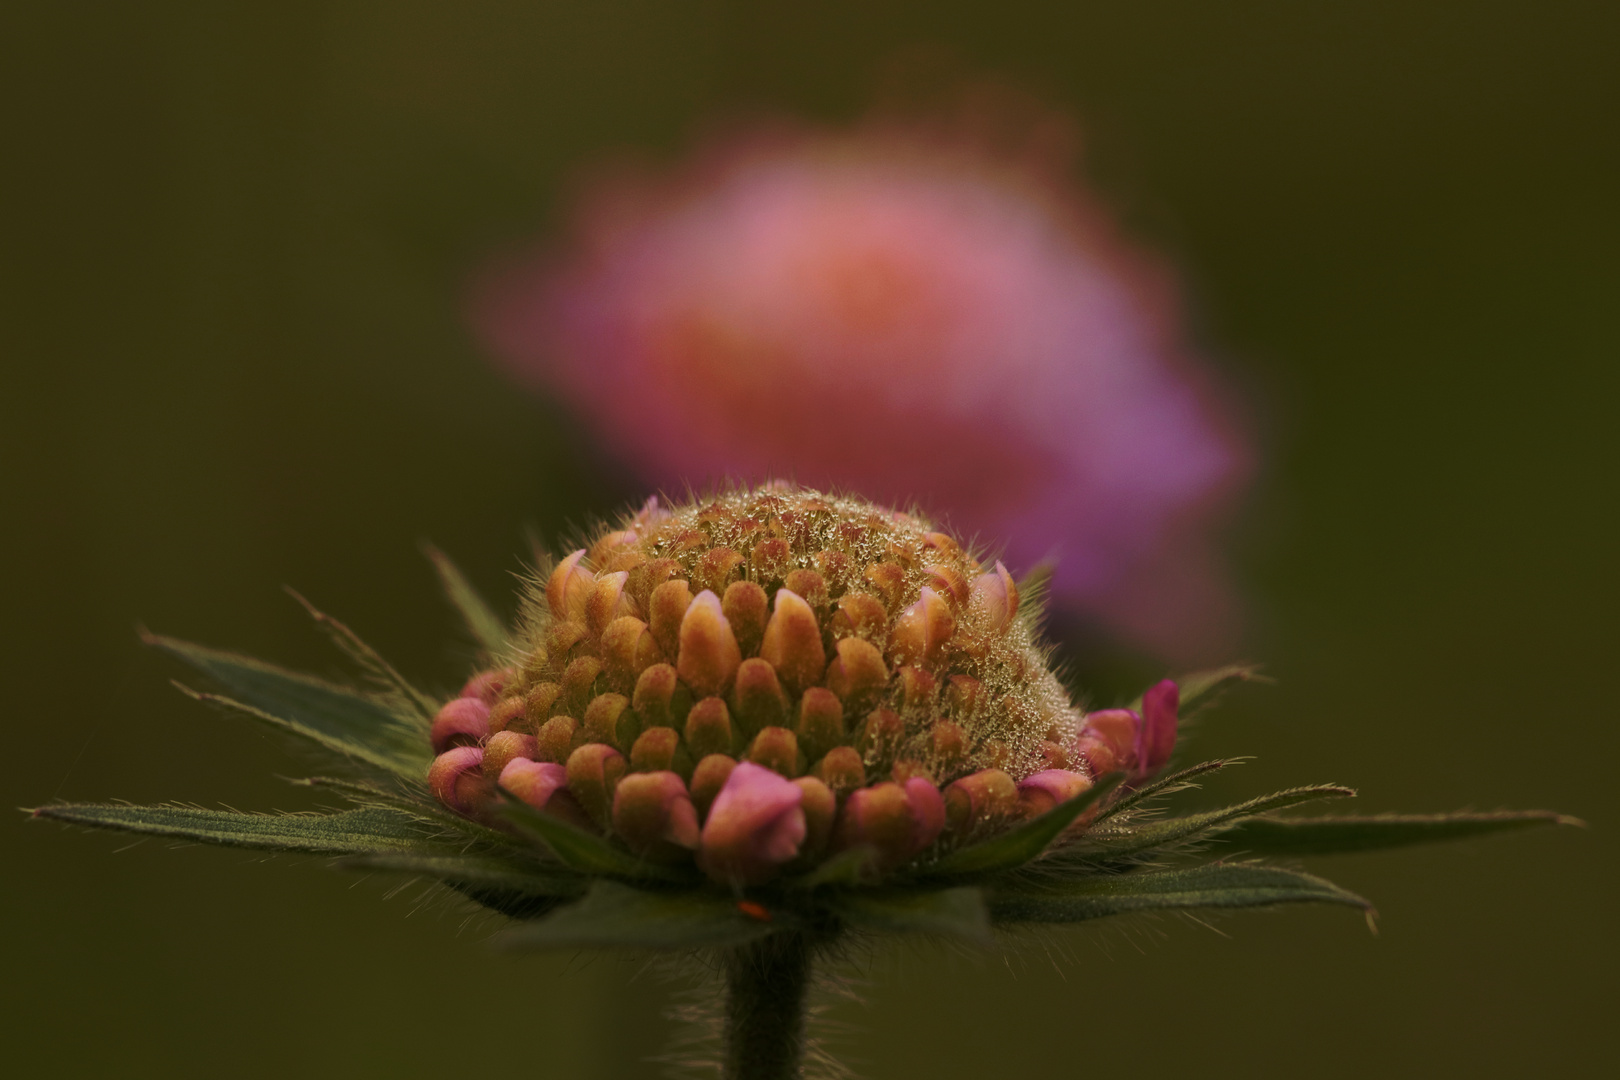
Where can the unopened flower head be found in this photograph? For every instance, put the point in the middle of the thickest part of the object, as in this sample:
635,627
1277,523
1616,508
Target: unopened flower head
908,316
755,681
751,726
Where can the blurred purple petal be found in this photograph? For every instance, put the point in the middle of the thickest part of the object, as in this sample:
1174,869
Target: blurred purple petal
909,317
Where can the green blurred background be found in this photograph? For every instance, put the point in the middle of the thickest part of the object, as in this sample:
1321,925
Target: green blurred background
236,239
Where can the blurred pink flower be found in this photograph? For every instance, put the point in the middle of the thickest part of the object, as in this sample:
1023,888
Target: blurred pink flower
910,315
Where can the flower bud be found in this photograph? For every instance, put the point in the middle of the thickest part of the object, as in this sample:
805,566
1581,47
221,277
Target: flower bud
962,696
541,701
757,699
834,566
888,580
654,816
604,550
820,725
917,689
905,768
594,771
660,700
1096,754
756,825
777,748
709,656
708,728
503,747
994,597
688,541
745,607
604,717
1044,790
708,777
716,569
564,641
861,615
568,588
1158,736
626,560
607,601
770,559
922,630
455,777
880,736
857,674
487,686
1108,740
979,798
506,713
808,584
462,721
556,739
579,682
841,770
647,576
1055,755
927,809
659,749
628,649
948,582
544,786
792,642
811,613
820,807
666,609
996,752
949,744
899,821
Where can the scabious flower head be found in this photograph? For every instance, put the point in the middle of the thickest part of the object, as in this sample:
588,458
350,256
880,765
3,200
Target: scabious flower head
908,315
751,726
753,681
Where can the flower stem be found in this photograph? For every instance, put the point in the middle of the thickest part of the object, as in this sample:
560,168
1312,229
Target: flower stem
766,985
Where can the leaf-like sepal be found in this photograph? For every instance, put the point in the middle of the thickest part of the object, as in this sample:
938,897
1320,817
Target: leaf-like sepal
486,871
336,717
1342,835
1219,885
1132,841
368,830
959,912
584,852
1164,785
485,626
612,915
1020,844
371,662
413,799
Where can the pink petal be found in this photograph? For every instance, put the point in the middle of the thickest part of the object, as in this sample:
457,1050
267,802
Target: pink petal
754,826
465,719
1158,739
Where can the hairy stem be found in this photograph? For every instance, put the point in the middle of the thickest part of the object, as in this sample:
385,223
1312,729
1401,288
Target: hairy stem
766,984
